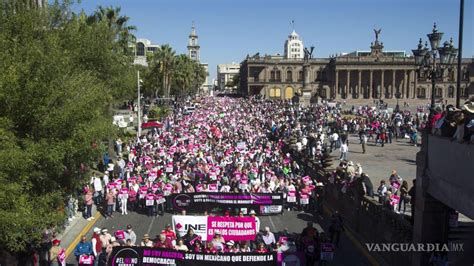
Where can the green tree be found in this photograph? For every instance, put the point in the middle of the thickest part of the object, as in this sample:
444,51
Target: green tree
59,74
199,76
161,67
117,23
183,75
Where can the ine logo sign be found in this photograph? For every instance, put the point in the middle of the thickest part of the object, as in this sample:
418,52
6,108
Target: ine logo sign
126,257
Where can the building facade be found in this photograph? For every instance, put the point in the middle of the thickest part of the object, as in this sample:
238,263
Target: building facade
370,75
226,74
142,48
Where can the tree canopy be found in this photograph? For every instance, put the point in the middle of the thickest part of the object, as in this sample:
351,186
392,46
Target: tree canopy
171,74
59,74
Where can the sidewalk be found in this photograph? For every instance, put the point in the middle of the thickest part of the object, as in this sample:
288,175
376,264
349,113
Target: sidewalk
76,228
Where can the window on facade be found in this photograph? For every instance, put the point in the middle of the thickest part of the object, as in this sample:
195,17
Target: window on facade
275,93
451,92
323,93
272,75
300,76
278,75
439,92
140,49
289,76
421,92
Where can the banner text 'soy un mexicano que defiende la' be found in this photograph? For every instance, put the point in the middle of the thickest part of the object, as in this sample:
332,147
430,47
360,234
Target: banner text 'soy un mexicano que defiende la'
142,256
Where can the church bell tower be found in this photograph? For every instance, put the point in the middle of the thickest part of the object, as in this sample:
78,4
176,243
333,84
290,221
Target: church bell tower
193,46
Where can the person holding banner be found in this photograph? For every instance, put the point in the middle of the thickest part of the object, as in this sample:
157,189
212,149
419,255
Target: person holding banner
210,248
218,241
197,246
181,246
163,242
146,242
83,252
123,197
190,237
169,233
150,202
268,237
261,248
57,254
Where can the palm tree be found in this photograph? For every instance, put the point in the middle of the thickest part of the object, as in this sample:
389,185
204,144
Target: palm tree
199,76
182,76
165,57
111,16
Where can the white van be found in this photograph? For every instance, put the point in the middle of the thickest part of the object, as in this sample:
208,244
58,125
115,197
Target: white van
119,121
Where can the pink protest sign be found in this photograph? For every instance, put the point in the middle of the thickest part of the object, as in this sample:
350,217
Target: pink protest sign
212,187
199,188
306,179
243,183
86,260
396,185
394,199
120,234
291,196
304,199
231,228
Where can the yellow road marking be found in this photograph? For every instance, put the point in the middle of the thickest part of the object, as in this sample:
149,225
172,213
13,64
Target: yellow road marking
84,231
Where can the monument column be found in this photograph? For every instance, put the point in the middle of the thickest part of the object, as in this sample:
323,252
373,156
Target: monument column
348,84
405,87
370,92
382,84
336,87
359,89
392,91
415,83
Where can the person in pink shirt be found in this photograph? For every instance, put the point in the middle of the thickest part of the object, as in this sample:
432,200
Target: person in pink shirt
110,198
88,200
123,196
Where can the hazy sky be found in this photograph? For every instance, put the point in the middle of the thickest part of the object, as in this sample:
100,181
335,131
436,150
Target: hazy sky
230,29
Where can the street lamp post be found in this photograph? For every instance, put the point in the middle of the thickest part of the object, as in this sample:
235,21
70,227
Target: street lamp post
139,131
425,59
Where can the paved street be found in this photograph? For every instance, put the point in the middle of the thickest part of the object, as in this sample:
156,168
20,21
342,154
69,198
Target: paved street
378,162
346,254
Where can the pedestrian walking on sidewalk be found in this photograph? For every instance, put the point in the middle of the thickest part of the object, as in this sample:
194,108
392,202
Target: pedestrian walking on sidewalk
364,142
344,149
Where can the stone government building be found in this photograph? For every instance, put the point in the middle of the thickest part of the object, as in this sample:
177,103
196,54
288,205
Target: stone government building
375,74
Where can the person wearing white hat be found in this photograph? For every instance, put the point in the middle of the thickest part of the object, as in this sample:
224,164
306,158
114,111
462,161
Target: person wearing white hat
268,237
105,237
257,220
96,244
